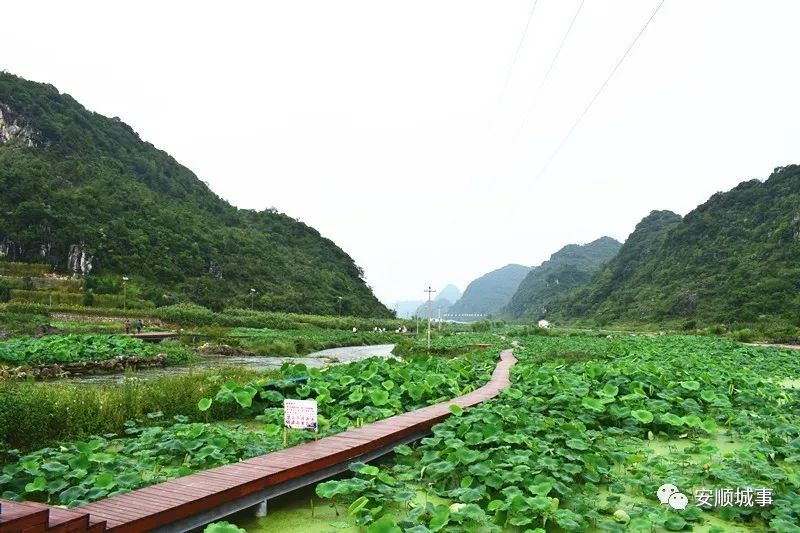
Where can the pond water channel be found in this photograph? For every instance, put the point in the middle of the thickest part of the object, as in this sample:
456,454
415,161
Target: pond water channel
319,359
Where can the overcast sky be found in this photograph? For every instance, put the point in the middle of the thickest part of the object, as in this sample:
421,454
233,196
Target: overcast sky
389,127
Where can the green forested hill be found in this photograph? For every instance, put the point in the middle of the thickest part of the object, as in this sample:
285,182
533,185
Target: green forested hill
82,192
736,258
490,292
566,269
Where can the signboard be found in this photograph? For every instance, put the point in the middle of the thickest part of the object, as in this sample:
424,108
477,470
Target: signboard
300,414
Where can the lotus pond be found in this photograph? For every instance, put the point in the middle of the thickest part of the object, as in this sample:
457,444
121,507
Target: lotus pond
155,449
588,432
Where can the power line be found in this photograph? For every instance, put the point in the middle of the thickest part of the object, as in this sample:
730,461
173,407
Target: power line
600,90
519,46
553,62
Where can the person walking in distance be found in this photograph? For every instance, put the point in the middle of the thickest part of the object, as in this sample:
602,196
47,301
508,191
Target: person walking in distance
127,327
139,326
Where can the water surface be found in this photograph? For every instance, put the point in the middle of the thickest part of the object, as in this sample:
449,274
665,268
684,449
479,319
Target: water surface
346,354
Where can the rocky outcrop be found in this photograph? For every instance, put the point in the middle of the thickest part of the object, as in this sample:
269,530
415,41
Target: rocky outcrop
109,366
10,249
215,269
13,128
79,260
221,349
46,329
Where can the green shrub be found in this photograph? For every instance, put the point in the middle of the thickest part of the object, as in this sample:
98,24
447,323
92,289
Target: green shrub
192,315
112,301
744,335
482,325
88,298
14,324
188,314
46,297
176,352
11,282
108,301
43,283
27,308
104,312
11,268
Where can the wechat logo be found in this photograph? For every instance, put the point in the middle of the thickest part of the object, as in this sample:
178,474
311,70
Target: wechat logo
671,495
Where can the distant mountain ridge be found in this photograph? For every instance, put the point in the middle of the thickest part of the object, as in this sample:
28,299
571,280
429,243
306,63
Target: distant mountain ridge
490,292
450,292
568,268
84,194
733,259
442,301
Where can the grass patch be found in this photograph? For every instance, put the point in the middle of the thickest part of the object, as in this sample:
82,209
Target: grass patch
16,324
33,415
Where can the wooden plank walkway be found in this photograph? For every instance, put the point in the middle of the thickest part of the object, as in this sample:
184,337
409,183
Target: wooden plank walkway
192,501
155,336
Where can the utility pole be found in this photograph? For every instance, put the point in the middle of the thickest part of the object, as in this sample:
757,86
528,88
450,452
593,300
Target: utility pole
125,293
416,316
429,291
340,305
440,318
252,298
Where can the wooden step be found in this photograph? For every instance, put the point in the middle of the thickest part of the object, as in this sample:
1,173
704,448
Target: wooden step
30,517
64,520
18,517
96,525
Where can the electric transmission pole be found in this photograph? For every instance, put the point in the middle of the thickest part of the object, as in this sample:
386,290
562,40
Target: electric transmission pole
429,291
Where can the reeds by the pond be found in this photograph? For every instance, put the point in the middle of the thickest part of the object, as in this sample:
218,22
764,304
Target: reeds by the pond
35,415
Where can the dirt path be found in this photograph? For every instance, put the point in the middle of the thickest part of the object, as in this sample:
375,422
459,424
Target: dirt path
768,345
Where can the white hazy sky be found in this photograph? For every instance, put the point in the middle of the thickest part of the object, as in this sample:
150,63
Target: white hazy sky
386,125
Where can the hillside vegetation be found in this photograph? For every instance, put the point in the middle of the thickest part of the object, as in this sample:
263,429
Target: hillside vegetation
734,259
82,193
568,268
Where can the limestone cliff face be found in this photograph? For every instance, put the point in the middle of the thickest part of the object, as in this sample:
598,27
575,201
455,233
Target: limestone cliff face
10,249
14,128
79,260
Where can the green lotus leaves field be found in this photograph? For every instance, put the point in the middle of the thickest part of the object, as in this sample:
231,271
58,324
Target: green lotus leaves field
362,391
69,349
155,450
588,432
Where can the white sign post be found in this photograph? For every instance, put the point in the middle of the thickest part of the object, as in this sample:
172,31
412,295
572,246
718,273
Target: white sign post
299,414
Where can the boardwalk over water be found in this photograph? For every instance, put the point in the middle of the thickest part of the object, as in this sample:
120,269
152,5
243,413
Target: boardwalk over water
192,501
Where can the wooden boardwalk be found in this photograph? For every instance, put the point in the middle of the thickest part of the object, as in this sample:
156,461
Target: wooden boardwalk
155,336
192,501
